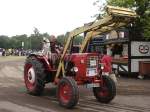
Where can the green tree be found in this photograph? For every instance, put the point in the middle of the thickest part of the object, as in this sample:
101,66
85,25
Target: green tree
35,39
46,35
122,3
61,39
36,32
16,41
78,40
35,42
4,41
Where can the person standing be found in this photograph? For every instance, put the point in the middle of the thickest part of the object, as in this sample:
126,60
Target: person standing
107,61
46,47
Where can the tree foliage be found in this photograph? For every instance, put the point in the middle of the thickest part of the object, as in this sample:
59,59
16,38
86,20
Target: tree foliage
61,39
34,41
122,3
4,41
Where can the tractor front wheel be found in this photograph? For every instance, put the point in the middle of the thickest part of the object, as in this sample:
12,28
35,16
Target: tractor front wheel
107,91
67,92
34,76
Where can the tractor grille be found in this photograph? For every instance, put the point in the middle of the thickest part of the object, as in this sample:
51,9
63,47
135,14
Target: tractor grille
92,62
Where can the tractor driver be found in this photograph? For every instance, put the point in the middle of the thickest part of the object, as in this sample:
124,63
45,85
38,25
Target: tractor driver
56,51
55,46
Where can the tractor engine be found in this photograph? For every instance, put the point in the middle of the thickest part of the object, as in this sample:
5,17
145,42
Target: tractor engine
84,67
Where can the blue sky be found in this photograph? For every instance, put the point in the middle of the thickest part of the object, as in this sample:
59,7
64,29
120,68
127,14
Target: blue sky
53,16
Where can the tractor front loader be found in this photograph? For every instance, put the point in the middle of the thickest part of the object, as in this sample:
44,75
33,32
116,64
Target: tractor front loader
77,68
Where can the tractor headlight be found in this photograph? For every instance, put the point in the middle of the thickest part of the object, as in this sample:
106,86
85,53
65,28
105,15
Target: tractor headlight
74,69
101,66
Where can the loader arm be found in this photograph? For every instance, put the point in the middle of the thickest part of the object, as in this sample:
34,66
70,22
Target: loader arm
117,17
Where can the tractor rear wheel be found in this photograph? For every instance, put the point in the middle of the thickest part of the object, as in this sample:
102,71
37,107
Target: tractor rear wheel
34,76
67,92
107,91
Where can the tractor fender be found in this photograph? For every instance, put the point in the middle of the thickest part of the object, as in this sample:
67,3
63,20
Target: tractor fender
43,59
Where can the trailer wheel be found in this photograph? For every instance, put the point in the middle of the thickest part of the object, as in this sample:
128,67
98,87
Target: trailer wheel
34,76
106,92
67,92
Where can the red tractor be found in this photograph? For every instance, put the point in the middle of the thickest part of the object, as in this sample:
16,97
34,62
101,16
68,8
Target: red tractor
76,67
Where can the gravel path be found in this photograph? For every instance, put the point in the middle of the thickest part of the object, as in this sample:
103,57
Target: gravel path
133,95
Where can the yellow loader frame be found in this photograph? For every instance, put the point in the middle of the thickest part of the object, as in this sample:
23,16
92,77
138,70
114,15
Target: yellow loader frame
116,17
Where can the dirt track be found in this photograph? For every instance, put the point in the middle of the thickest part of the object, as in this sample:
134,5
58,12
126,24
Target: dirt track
133,95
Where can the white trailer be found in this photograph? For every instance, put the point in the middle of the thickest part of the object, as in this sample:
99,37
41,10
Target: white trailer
138,60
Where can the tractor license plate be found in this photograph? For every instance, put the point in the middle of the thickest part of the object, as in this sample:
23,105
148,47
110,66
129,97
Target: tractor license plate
92,85
91,72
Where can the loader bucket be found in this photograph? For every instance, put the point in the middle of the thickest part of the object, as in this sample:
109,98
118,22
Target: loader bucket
118,11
